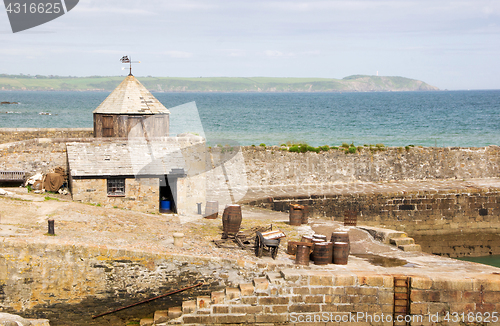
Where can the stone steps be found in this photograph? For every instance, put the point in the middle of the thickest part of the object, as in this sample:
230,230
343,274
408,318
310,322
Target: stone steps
402,241
405,243
239,301
410,247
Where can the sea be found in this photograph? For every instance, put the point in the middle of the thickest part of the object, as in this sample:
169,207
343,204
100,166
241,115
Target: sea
437,118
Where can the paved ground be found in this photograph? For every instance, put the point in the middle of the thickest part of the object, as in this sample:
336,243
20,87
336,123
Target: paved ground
24,216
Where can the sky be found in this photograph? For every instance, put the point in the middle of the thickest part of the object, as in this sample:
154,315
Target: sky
452,45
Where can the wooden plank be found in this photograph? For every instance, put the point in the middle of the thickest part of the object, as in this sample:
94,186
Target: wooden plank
107,126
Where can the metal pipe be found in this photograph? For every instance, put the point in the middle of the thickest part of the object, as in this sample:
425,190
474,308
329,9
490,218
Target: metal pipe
148,300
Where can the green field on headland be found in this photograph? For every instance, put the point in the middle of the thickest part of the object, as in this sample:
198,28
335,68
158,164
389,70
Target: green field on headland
355,83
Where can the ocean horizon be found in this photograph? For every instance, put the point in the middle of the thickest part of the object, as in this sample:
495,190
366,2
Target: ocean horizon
427,118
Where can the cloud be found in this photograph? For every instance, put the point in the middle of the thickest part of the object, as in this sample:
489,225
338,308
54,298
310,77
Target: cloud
178,54
276,53
234,52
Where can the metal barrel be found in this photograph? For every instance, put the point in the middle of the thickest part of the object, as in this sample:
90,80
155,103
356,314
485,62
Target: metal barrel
322,253
212,210
302,255
295,216
305,214
340,253
231,219
341,236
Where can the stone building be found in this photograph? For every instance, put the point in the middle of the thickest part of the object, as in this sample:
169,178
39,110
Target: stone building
133,162
138,174
128,106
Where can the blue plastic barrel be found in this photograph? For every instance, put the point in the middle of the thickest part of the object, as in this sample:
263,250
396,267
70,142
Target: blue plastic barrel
165,205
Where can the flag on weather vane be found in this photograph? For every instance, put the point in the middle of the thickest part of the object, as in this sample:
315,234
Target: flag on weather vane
126,59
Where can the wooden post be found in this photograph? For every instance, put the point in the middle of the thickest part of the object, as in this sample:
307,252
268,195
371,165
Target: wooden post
51,227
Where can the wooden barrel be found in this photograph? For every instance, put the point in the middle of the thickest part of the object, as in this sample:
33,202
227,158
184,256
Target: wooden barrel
212,210
231,219
322,253
320,237
340,253
307,238
330,257
302,255
305,214
341,236
292,247
295,216
315,241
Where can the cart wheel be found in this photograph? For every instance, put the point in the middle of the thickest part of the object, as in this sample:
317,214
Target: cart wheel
274,252
258,247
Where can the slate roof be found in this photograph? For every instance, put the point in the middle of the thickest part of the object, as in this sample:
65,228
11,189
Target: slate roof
131,158
131,97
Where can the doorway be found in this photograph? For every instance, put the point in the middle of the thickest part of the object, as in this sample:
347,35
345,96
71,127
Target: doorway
168,194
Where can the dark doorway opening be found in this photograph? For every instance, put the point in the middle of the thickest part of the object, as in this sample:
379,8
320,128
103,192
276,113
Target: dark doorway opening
168,194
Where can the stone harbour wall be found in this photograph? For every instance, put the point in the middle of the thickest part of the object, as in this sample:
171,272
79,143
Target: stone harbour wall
335,298
461,243
423,215
69,284
272,166
72,283
8,135
33,156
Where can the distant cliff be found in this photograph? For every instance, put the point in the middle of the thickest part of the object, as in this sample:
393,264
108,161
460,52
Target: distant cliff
355,83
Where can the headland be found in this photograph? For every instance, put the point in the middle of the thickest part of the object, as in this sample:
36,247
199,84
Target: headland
355,83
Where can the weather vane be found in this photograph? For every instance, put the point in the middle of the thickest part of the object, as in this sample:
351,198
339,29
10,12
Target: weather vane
125,59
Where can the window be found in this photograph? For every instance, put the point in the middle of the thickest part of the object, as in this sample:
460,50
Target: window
116,187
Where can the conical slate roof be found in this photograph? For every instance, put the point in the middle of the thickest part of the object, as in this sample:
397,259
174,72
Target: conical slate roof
131,97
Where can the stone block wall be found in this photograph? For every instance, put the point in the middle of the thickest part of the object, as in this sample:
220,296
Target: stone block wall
461,243
226,176
424,212
8,135
304,297
190,191
272,166
33,156
140,194
426,216
69,284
